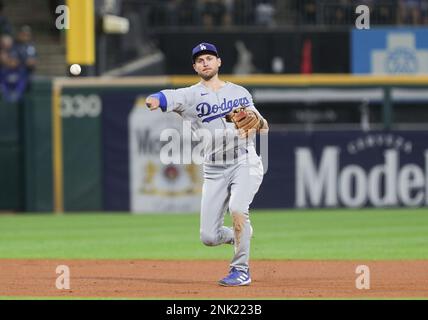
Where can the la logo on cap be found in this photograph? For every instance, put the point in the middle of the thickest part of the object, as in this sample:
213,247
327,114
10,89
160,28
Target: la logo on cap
202,47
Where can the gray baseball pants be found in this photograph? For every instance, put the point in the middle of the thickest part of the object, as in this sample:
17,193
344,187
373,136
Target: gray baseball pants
230,187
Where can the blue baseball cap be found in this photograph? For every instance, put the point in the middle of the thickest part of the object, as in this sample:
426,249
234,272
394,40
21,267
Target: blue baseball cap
204,48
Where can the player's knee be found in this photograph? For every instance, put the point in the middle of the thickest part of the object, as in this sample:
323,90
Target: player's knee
209,239
239,220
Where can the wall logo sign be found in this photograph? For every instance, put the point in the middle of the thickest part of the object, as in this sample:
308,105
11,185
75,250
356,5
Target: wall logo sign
400,56
390,51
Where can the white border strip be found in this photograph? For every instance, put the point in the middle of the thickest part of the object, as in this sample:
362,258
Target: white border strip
409,95
317,95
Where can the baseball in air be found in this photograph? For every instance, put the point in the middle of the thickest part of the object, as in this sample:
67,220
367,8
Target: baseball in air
75,69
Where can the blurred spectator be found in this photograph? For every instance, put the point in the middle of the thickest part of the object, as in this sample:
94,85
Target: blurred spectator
308,12
338,12
172,8
341,11
186,12
25,48
13,74
424,10
265,12
5,26
228,18
159,13
8,56
243,12
285,13
410,12
387,13
10,71
170,13
213,12
174,12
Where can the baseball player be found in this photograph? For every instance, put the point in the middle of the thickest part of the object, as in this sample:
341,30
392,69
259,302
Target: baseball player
227,111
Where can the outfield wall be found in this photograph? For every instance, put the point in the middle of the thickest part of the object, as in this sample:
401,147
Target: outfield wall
11,156
82,160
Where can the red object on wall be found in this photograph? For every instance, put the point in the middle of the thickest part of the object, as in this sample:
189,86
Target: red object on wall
306,62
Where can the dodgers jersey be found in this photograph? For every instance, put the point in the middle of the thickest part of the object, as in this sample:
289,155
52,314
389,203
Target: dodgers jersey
206,110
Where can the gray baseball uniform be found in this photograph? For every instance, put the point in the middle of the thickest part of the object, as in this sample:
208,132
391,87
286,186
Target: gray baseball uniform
232,169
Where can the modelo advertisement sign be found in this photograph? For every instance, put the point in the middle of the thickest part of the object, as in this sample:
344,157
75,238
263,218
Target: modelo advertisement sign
155,186
346,169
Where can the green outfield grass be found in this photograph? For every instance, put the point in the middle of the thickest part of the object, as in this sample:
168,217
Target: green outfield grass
296,234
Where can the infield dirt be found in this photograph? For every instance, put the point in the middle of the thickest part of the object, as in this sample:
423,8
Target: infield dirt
185,279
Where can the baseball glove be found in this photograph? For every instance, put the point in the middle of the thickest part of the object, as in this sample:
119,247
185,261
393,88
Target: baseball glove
246,121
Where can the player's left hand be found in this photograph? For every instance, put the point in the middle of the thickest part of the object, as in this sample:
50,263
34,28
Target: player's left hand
246,121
